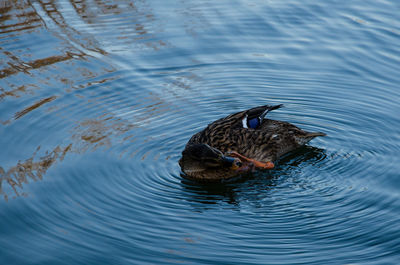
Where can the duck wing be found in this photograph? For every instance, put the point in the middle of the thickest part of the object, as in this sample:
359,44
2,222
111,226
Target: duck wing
253,117
223,133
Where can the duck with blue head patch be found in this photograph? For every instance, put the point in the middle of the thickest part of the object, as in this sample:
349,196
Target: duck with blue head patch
241,142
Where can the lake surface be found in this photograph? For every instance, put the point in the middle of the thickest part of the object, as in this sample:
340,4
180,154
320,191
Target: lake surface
98,99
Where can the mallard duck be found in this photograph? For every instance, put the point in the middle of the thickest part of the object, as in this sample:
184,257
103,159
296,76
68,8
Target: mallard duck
241,142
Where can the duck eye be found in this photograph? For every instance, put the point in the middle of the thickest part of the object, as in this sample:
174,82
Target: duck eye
238,163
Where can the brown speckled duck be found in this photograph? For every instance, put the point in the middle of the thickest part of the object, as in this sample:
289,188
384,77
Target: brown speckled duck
239,143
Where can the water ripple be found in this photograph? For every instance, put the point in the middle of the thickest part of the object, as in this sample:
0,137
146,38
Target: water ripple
98,99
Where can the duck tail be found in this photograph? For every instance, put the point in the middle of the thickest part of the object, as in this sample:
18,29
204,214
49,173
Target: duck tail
274,107
269,108
308,136
314,134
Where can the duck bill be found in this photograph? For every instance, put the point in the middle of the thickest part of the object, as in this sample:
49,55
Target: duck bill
237,164
228,161
231,162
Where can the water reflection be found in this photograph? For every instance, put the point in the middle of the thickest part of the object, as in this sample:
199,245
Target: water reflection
33,107
25,67
134,22
27,170
17,16
29,70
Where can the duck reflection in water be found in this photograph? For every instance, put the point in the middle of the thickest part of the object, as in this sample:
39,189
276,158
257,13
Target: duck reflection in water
240,143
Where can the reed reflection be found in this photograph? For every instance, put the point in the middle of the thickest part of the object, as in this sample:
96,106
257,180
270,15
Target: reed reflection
29,170
136,24
57,62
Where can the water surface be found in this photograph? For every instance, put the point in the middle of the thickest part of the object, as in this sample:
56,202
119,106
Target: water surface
98,99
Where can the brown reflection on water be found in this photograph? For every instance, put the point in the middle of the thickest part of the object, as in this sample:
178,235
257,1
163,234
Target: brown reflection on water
13,92
17,16
54,15
136,24
99,132
34,56
44,57
20,174
34,71
21,22
34,106
21,66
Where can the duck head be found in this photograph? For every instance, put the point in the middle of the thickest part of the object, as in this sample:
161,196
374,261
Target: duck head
203,162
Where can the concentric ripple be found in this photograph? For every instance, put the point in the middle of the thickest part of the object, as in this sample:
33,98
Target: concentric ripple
98,99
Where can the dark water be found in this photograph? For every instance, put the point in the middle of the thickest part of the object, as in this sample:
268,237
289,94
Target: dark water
98,99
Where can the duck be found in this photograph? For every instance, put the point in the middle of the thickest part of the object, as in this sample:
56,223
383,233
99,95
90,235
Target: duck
239,143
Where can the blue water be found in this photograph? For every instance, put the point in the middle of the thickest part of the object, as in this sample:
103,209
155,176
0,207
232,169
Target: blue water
98,99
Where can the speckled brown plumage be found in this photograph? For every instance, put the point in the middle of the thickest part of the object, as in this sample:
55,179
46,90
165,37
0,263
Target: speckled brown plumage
269,141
